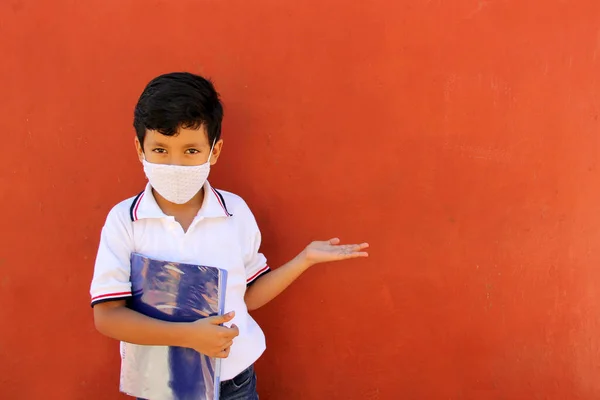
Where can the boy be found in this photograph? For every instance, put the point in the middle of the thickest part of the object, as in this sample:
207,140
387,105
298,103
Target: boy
180,217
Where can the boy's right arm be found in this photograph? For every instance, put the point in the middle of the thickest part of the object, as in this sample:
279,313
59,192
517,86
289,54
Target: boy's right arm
206,336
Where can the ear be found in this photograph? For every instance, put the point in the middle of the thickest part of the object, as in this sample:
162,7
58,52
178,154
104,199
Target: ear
216,152
139,150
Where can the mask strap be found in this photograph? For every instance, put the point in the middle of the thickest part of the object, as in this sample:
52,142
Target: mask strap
211,149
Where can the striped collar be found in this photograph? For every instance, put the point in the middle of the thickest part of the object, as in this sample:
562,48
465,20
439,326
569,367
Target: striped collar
144,205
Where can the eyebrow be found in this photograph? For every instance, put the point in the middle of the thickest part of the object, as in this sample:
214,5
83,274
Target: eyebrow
160,144
192,145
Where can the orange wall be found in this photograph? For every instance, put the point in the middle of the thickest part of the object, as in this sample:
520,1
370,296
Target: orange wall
460,138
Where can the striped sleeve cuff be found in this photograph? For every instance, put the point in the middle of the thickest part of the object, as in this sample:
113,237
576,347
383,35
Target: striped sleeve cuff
110,297
263,271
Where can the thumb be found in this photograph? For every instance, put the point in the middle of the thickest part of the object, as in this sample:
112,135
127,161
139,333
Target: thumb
221,319
334,241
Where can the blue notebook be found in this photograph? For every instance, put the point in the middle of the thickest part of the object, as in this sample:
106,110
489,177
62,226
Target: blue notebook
175,292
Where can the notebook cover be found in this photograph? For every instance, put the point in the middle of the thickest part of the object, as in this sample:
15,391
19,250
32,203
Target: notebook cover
176,292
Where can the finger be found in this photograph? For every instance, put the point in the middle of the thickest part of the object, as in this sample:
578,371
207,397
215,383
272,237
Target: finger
234,330
349,251
356,254
227,344
221,319
228,333
354,247
345,249
334,241
223,353
358,247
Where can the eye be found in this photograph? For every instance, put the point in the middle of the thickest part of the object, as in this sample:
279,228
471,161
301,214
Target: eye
192,151
159,150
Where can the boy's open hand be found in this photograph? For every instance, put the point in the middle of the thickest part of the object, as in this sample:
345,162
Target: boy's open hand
332,250
207,337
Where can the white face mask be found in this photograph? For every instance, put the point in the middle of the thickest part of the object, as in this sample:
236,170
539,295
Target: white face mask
177,183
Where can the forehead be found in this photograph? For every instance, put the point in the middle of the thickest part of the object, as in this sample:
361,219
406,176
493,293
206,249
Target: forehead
183,137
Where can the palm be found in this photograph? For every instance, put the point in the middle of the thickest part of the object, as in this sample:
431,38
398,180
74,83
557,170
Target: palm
332,250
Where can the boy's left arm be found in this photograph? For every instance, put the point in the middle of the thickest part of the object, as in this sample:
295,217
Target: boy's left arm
267,286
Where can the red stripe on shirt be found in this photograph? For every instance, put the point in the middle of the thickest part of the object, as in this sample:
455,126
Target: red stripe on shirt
137,205
102,296
219,200
265,268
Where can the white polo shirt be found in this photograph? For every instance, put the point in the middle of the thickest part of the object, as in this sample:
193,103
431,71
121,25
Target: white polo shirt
224,234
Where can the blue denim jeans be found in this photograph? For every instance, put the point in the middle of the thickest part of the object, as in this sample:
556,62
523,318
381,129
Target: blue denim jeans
242,387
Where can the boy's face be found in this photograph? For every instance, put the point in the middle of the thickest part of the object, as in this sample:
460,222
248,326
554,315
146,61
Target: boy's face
188,147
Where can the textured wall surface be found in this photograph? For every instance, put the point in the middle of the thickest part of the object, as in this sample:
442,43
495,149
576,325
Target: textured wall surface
460,138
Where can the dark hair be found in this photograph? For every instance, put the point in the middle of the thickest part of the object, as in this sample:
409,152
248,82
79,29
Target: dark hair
178,100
